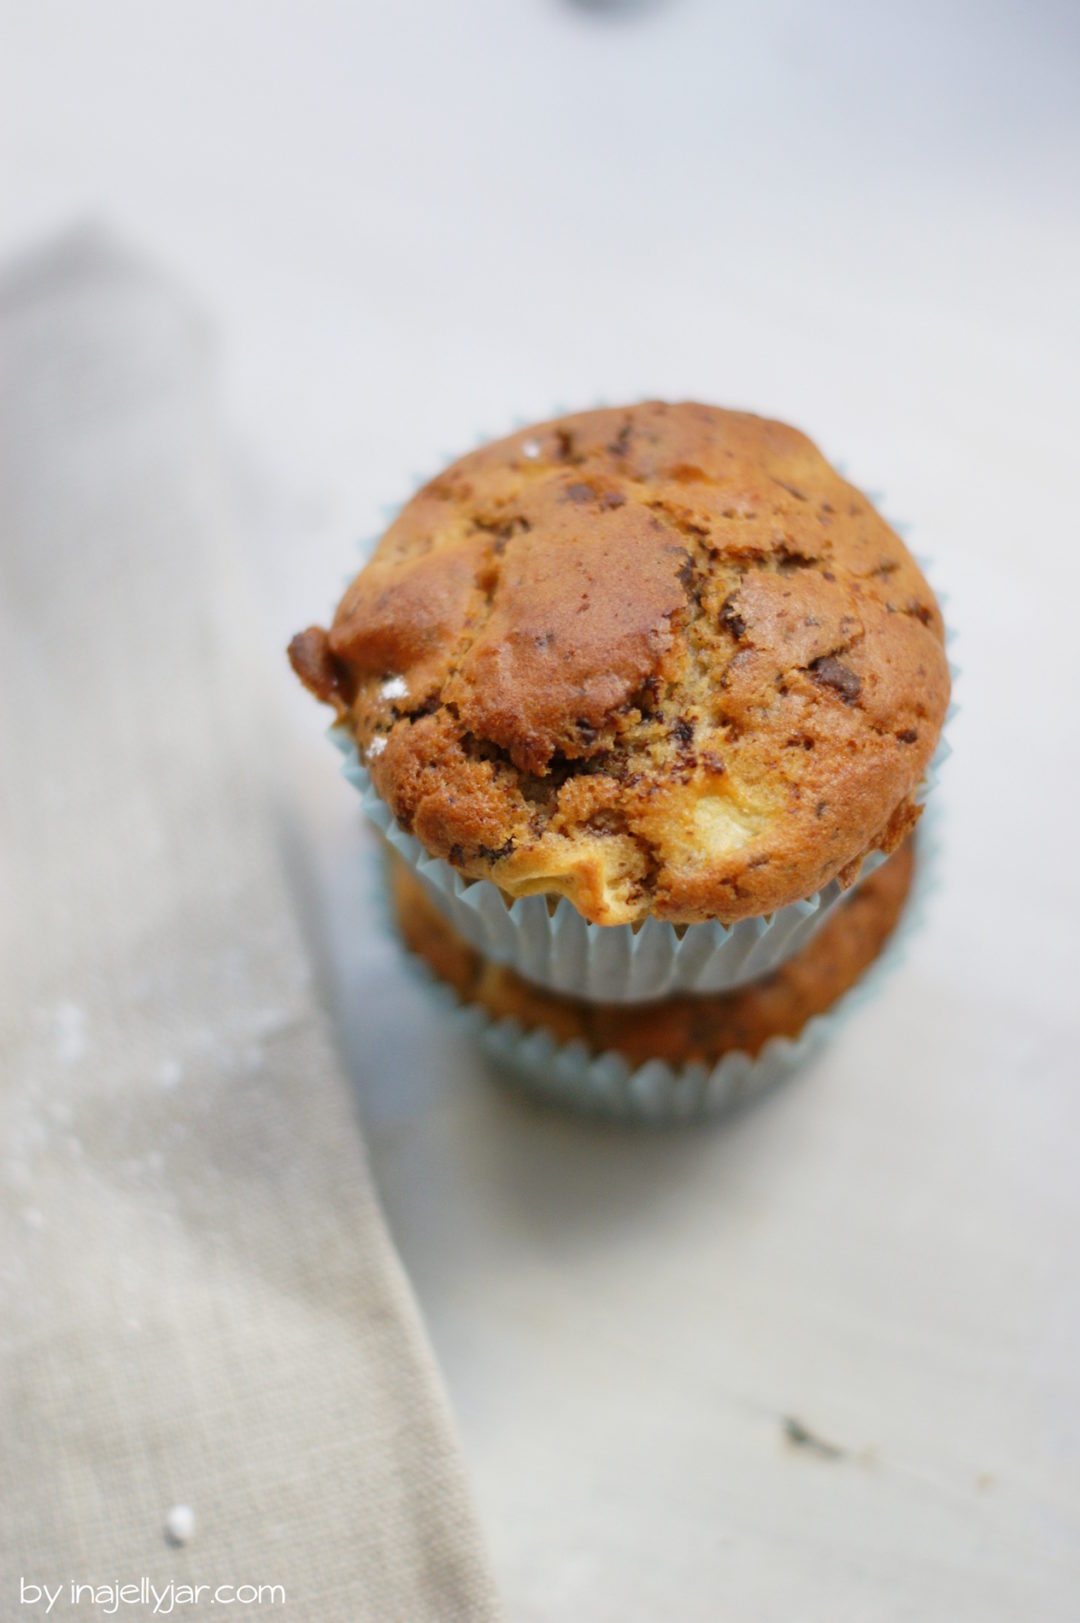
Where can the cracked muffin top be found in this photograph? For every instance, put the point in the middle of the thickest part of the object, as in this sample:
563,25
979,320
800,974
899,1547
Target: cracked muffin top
661,660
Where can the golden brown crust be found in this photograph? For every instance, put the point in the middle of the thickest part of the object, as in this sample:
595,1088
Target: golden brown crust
315,665
660,659
677,1029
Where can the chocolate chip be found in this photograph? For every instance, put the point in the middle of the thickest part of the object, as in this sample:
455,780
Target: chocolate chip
486,853
621,443
732,620
908,736
788,559
682,731
687,573
829,673
582,491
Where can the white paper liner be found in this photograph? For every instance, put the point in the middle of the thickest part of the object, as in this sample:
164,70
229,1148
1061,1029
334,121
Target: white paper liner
555,947
608,1085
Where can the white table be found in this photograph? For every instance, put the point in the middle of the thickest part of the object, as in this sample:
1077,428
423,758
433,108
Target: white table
414,222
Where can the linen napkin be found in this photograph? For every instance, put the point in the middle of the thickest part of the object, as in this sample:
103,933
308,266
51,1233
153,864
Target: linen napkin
214,1372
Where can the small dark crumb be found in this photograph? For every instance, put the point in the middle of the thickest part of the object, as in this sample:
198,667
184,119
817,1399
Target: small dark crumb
545,639
580,492
564,445
920,612
788,559
686,571
713,762
682,731
645,698
800,1436
621,443
585,729
488,854
829,673
456,855
908,736
732,620
821,808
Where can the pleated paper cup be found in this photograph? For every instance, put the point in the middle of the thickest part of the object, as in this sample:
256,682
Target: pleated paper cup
553,946
607,1084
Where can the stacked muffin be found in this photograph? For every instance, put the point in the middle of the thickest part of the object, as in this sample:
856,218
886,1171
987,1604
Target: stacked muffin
641,698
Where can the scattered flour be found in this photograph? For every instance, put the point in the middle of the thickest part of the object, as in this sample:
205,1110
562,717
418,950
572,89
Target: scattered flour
180,1524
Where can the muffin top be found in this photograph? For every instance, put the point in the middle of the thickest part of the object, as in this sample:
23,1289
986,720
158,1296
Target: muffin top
659,659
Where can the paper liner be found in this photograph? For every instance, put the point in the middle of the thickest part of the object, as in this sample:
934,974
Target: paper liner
608,1085
557,948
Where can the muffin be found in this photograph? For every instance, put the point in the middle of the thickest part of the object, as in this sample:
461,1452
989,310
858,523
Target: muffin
639,693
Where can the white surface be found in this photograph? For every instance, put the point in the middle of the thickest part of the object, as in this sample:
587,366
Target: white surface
416,221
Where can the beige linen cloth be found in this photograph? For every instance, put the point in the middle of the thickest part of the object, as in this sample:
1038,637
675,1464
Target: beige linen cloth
201,1305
